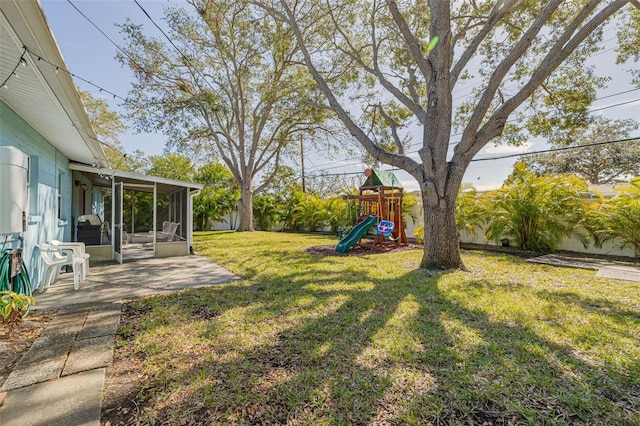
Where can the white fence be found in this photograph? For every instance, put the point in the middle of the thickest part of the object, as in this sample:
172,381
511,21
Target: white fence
569,244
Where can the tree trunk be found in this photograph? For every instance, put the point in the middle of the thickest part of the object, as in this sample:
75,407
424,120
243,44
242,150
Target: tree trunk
246,210
441,245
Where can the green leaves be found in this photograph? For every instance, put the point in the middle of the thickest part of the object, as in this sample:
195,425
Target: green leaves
618,219
14,307
535,212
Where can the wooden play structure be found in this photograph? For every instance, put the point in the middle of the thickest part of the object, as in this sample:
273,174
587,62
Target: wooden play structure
379,205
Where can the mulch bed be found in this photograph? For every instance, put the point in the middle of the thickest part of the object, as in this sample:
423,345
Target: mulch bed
358,250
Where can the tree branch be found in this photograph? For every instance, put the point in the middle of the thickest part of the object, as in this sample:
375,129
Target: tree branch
494,17
393,159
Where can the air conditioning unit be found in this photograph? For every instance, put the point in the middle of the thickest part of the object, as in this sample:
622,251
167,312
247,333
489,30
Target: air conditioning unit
14,190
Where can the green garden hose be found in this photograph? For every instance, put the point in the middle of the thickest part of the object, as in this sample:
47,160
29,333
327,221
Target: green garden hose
21,283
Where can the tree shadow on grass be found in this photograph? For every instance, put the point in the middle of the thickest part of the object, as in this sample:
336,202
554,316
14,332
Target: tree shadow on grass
305,350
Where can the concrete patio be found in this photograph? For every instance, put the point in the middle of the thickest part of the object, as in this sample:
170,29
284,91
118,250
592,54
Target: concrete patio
134,278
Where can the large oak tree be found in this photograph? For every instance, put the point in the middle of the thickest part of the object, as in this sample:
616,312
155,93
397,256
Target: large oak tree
226,87
519,53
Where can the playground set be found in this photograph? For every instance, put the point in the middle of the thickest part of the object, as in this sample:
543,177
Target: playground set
379,206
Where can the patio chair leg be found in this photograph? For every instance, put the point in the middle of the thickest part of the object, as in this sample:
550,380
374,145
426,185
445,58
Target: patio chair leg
76,276
46,281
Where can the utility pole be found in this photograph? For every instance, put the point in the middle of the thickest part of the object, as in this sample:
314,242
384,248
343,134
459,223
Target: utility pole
304,190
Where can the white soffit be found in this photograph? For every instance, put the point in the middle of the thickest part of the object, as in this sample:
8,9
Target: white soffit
38,94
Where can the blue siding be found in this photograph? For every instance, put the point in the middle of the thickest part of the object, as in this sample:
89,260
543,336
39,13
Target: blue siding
45,166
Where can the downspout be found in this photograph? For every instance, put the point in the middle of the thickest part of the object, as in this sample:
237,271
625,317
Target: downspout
155,215
190,220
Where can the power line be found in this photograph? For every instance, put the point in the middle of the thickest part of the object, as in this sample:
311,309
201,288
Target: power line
564,148
104,34
124,52
186,60
509,121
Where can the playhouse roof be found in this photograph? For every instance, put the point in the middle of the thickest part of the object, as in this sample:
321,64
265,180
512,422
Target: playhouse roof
382,178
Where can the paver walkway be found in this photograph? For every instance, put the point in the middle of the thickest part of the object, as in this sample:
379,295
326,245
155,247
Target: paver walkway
59,381
627,271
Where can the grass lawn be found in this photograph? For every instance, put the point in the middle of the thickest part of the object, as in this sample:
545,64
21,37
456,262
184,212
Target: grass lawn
307,339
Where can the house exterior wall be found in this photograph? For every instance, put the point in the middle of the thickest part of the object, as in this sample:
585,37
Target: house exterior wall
48,169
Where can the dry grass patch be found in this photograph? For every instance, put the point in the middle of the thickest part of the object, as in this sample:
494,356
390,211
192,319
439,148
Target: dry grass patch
309,339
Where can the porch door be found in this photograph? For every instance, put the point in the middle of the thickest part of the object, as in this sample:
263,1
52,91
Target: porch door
117,222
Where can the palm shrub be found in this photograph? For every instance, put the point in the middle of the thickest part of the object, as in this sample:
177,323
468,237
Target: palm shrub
618,219
535,212
311,213
341,212
288,202
266,211
469,211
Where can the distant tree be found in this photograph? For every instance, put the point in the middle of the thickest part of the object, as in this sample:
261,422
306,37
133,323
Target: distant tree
599,163
109,125
171,166
535,212
234,91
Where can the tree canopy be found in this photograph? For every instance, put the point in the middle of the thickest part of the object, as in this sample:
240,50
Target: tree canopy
607,156
399,64
109,125
228,87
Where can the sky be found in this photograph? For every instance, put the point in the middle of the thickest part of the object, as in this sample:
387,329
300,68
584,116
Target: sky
90,55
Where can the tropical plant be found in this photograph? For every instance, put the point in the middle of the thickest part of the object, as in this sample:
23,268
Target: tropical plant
535,212
618,219
14,307
311,213
341,212
409,201
469,211
218,197
266,211
418,234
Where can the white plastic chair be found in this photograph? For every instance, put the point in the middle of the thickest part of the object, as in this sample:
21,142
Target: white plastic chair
168,232
78,252
56,257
